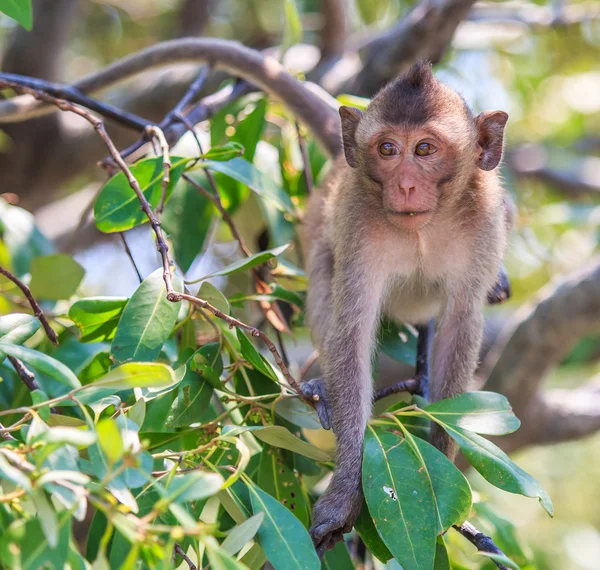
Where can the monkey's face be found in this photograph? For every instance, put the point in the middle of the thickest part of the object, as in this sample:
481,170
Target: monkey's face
409,164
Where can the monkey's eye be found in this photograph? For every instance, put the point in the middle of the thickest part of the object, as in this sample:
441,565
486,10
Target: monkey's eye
388,149
425,149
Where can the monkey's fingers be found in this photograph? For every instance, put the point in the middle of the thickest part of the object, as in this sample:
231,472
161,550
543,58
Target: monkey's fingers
327,538
315,390
500,291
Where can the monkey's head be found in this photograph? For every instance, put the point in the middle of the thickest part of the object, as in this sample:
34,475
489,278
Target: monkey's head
420,145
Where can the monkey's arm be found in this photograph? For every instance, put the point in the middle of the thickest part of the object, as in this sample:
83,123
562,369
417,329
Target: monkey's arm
456,349
346,358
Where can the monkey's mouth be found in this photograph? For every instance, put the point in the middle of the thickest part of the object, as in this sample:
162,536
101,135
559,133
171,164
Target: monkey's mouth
410,213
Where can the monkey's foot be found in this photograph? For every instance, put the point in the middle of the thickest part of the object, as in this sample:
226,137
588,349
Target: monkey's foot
412,386
315,391
500,291
334,515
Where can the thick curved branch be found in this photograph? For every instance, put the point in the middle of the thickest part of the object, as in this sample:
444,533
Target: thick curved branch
539,337
425,33
316,110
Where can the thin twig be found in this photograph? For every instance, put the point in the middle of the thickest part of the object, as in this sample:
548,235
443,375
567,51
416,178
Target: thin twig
411,386
216,200
189,96
24,373
482,542
185,557
162,247
37,310
6,436
130,256
157,133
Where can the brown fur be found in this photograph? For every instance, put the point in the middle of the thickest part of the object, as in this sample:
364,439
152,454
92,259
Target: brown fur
367,256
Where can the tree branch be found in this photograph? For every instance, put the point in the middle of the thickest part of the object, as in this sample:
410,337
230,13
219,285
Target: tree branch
539,337
482,542
37,310
317,110
425,33
24,373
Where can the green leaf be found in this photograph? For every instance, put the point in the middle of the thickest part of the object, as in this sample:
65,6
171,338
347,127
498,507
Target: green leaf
414,493
193,486
110,440
55,276
95,368
147,321
481,412
207,362
188,219
500,558
245,263
276,478
245,172
282,536
19,10
242,534
220,560
97,317
47,516
254,358
278,293
210,293
354,101
224,152
338,558
365,527
16,476
22,237
398,342
279,436
68,435
17,328
117,207
497,467
43,363
292,26
25,546
192,400
298,412
134,375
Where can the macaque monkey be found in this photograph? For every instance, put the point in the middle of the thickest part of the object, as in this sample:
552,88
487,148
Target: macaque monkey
411,223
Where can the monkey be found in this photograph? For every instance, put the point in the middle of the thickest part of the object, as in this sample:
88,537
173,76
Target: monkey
411,223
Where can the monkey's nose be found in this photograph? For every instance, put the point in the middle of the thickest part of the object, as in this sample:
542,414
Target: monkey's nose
407,190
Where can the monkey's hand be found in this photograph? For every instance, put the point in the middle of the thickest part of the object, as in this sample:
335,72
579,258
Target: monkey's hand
500,291
316,392
334,515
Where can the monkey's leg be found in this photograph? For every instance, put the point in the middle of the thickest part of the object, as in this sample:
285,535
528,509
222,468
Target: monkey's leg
501,290
420,383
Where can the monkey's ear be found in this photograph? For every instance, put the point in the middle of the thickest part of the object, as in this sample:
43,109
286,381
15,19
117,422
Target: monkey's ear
350,118
490,129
